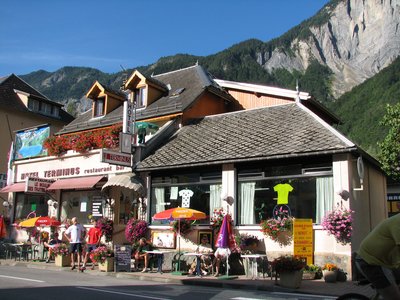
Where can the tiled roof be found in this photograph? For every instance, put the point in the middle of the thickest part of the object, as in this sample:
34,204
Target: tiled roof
10,100
265,133
195,81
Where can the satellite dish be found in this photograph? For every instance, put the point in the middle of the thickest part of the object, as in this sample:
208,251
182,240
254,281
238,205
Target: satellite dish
360,167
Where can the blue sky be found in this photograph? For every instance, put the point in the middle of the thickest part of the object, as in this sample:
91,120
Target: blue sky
104,34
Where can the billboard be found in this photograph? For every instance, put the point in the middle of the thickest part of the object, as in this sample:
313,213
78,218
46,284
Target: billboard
29,142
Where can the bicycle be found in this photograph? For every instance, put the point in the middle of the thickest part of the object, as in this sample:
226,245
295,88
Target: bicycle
356,296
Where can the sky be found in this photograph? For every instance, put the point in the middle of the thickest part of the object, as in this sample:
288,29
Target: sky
111,35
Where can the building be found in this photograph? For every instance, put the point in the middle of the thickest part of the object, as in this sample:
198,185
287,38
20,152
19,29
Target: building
24,108
213,144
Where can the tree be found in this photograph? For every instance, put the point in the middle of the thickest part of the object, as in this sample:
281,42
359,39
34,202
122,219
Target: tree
390,146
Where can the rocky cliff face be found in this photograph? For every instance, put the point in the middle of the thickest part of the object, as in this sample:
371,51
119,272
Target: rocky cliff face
360,38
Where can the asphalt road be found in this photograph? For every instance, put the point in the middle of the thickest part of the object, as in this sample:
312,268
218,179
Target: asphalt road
20,283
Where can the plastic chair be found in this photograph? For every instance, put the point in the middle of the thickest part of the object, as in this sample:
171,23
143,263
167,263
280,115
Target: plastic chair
179,264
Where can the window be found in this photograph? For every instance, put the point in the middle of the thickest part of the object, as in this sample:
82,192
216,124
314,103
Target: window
307,197
140,97
26,204
33,104
80,204
55,111
186,190
99,107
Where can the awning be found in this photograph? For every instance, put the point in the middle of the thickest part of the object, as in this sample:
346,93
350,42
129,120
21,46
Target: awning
75,183
16,187
128,180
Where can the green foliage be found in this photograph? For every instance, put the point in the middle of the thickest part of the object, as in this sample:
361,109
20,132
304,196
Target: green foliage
390,146
362,109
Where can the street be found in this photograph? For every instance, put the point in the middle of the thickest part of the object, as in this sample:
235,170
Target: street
21,283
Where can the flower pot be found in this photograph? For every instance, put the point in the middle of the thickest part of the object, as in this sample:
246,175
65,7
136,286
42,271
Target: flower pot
309,275
330,276
108,265
62,260
291,279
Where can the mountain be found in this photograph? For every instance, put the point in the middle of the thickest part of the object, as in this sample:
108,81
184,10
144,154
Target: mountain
343,45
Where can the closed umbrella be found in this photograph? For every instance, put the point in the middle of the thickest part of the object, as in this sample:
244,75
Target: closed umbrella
179,213
226,239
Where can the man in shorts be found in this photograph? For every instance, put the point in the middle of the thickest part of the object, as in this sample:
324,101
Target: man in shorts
378,258
75,234
93,241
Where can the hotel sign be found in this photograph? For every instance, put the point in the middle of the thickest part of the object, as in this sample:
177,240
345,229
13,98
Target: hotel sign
116,158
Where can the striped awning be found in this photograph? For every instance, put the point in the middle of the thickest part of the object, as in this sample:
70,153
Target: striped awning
127,181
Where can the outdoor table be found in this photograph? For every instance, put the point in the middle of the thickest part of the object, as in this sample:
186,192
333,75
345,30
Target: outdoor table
160,257
198,262
252,262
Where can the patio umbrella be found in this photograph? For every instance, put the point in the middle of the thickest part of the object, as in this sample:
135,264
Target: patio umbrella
149,127
179,213
39,221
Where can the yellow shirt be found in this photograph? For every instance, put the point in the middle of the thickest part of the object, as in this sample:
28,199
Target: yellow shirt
382,245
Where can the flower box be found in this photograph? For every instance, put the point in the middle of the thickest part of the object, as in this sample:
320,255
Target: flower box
290,279
62,260
108,265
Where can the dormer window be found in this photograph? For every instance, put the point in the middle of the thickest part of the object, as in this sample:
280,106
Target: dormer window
140,97
99,107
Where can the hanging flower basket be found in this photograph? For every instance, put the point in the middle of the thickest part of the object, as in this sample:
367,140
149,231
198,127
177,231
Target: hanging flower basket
339,224
279,229
135,229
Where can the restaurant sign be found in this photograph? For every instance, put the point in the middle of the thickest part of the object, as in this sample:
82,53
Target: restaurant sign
116,158
36,185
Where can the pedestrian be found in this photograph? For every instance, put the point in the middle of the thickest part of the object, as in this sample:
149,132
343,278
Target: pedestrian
75,234
93,241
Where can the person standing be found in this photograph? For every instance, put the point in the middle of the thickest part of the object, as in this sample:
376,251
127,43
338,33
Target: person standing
93,241
75,234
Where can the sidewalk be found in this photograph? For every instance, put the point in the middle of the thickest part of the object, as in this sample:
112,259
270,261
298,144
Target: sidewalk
318,287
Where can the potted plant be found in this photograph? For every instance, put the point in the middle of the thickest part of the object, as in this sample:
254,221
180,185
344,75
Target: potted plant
312,272
135,230
104,257
61,254
339,224
279,228
247,243
329,271
289,268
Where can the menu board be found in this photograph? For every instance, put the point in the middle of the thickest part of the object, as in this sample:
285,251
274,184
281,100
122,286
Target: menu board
122,254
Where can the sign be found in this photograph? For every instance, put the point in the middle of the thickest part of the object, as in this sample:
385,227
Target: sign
122,254
29,142
35,185
128,117
125,142
303,239
116,158
97,210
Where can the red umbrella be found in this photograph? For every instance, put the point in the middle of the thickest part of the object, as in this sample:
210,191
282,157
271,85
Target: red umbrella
39,221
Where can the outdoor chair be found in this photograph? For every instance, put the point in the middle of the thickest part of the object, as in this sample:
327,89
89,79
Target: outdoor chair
178,262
